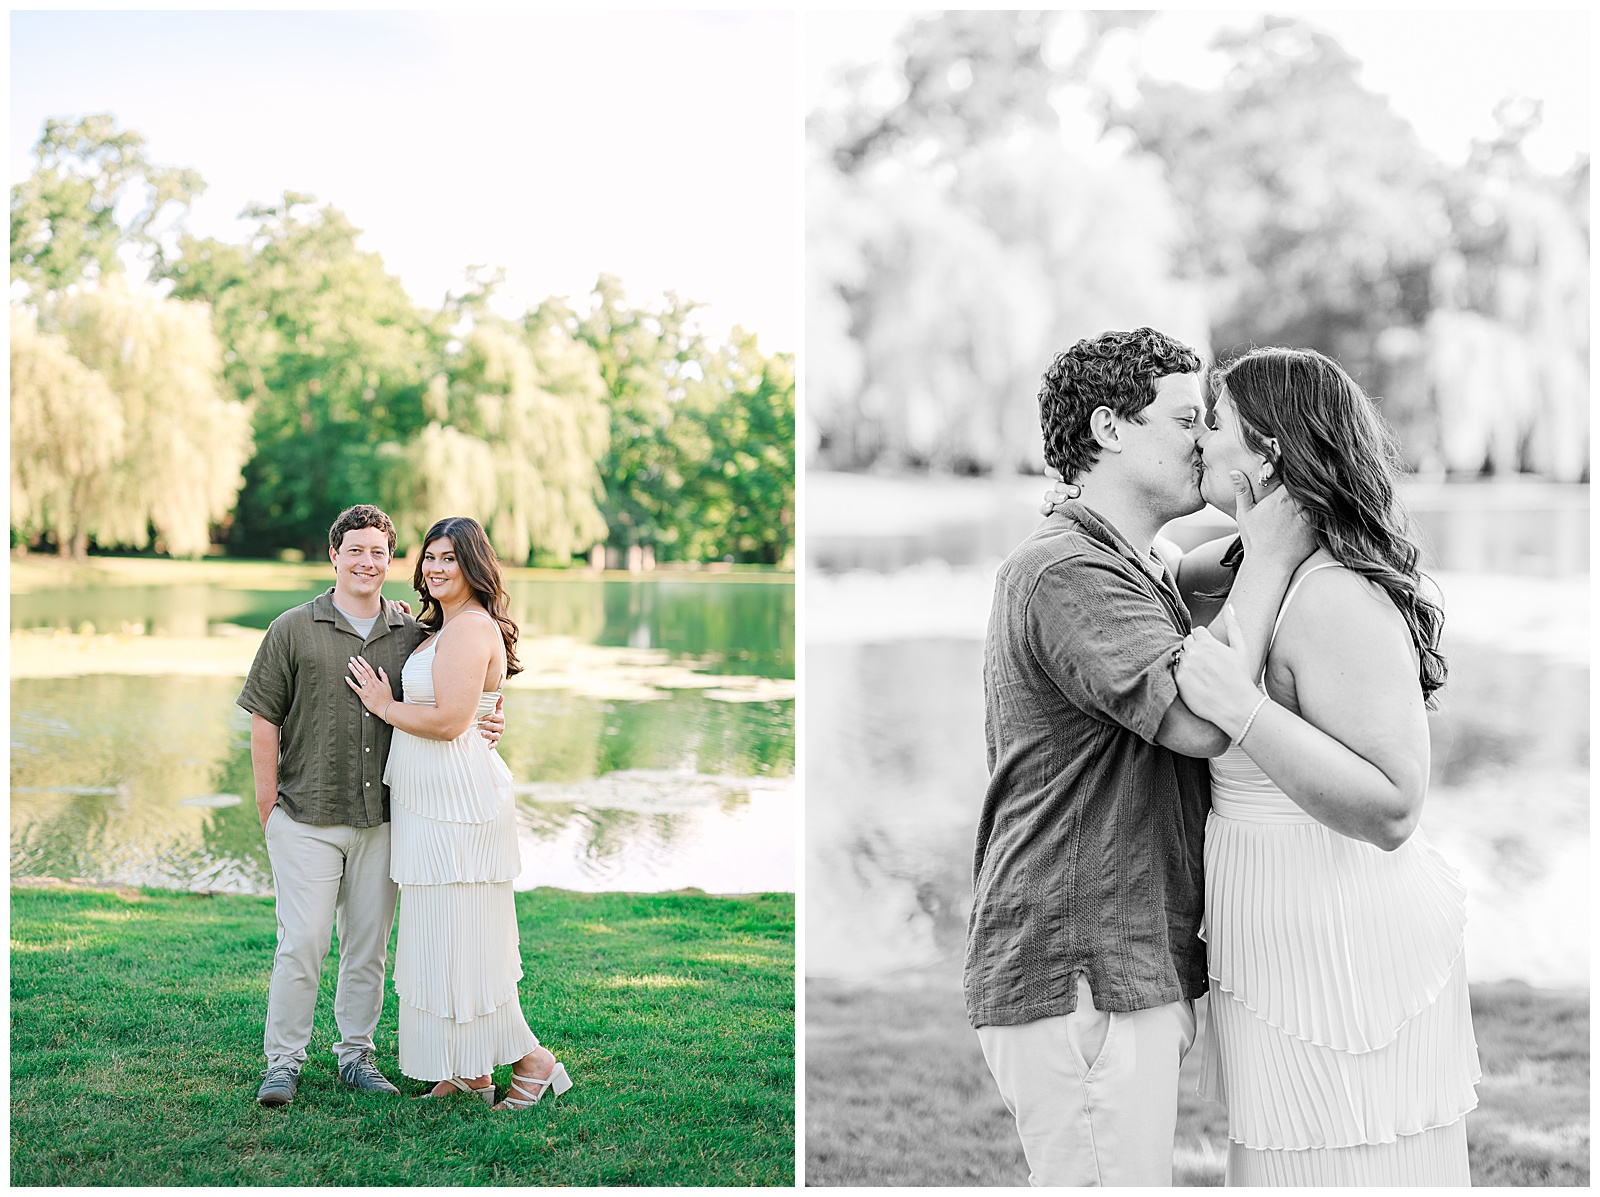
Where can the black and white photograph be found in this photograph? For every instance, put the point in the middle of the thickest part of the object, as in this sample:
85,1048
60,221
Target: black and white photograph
1195,431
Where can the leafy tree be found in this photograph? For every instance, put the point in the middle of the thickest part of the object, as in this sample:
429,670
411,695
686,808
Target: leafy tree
330,351
647,356
1315,214
700,458
66,435
169,445
1316,218
745,489
64,216
955,241
969,77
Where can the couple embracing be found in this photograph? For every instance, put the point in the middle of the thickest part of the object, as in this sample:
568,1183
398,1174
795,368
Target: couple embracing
1206,772
372,740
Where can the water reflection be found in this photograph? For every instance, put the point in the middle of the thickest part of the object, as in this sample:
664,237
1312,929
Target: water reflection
140,779
727,626
896,769
670,829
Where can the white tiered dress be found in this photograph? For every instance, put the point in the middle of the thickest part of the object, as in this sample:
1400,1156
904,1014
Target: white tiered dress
1339,1033
453,851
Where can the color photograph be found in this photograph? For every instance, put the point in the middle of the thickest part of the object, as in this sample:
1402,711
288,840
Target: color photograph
1196,441
402,646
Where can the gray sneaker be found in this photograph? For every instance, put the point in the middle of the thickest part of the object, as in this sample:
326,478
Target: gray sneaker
278,1089
361,1072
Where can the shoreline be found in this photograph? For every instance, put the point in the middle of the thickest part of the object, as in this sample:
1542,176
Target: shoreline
136,893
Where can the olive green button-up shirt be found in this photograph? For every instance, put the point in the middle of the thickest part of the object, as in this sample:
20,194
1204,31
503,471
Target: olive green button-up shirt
332,750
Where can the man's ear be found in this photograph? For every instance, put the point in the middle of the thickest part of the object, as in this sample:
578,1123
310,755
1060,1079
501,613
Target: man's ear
1103,427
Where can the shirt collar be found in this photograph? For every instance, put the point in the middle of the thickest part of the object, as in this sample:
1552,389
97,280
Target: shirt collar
1101,529
323,610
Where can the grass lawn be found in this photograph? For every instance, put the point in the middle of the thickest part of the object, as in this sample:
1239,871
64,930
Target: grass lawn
897,1092
136,1021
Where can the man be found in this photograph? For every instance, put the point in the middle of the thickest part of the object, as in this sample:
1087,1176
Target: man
1083,957
318,757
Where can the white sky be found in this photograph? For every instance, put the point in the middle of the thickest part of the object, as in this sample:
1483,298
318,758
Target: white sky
1442,71
658,146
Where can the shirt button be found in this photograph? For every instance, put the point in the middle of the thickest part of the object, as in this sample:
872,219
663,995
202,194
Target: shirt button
366,714
366,750
369,785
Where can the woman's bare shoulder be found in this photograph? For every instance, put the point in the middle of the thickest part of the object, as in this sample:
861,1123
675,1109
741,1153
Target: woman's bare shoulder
1335,607
469,632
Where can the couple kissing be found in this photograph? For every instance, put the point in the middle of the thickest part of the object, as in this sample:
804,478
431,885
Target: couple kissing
1206,774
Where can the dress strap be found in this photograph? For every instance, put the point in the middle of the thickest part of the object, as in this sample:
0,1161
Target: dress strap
1288,598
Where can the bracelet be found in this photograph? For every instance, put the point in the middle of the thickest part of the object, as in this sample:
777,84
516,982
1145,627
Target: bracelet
385,713
1245,730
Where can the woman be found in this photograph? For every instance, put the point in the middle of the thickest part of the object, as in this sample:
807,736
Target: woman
454,838
1340,1036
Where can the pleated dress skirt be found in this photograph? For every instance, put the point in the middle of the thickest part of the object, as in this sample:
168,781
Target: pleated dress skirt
453,851
1339,1034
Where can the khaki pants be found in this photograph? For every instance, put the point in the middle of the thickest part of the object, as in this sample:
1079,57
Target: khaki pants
327,877
1095,1094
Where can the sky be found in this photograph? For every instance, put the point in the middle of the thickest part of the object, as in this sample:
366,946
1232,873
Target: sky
658,146
1442,71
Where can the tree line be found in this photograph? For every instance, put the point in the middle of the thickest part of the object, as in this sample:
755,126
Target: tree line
249,391
957,239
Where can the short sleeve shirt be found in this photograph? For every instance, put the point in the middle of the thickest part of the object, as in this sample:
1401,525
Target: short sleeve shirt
1091,838
332,750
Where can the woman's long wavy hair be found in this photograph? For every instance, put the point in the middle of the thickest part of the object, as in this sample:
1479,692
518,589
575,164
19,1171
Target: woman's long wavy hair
1339,461
481,568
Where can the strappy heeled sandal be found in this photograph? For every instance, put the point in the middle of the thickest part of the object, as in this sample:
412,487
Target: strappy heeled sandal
554,1084
486,1093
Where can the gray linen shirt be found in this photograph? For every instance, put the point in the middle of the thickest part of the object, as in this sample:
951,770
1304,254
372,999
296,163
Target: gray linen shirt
332,750
1091,839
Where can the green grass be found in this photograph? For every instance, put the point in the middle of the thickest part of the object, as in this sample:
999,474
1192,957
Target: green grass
136,1050
897,1092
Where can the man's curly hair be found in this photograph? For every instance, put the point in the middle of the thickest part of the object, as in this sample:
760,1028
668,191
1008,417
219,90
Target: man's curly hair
1116,370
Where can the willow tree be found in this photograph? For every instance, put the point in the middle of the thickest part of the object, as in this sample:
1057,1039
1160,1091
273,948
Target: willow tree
184,442
441,471
517,429
66,436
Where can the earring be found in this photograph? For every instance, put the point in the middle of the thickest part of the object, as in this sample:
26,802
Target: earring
1265,475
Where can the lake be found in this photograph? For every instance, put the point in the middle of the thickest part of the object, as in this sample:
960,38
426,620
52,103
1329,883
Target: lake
897,598
651,736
